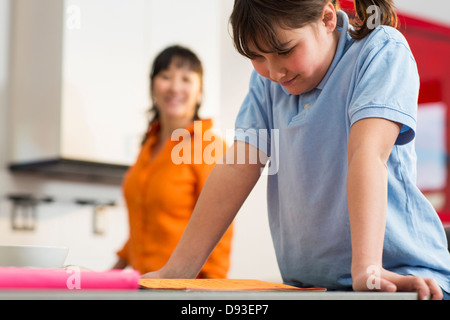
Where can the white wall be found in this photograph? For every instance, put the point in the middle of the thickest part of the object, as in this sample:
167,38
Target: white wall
434,10
64,223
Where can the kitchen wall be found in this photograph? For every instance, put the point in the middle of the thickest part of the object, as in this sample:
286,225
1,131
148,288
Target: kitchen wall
65,223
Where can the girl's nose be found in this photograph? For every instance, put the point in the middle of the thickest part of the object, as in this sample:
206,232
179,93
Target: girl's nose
276,71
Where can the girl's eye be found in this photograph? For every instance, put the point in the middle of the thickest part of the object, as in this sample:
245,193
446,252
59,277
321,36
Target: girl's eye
286,53
257,57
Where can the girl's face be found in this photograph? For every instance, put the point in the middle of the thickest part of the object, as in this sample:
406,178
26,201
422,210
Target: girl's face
176,92
302,66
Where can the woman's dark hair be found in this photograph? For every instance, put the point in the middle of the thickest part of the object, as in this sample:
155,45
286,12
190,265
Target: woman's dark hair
181,57
254,22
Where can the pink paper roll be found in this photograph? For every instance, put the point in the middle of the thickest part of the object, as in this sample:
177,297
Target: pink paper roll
70,279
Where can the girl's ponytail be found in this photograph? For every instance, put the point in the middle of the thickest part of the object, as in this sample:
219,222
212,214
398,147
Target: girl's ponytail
371,14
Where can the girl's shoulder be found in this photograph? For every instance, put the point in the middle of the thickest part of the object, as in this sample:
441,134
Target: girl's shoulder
384,41
383,36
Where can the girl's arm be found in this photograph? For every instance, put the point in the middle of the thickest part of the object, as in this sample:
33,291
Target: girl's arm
224,192
370,144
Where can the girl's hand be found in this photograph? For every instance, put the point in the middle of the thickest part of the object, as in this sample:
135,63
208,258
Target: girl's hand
152,275
376,279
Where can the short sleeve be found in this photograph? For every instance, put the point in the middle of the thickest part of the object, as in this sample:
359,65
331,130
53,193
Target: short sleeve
253,120
387,86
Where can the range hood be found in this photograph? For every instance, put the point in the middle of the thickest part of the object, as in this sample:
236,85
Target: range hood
74,169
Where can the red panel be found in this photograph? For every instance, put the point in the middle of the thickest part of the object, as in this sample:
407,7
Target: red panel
445,216
347,5
430,92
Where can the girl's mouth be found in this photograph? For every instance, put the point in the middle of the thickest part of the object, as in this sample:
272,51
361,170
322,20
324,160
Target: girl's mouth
289,82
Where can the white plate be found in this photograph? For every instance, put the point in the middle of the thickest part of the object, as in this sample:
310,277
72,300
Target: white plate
32,256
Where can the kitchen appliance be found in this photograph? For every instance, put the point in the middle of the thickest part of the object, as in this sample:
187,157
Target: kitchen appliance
33,256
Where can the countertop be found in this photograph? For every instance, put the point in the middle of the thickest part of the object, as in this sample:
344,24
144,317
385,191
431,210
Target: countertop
179,304
157,295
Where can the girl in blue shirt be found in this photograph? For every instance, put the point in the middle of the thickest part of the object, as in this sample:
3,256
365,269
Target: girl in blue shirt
332,109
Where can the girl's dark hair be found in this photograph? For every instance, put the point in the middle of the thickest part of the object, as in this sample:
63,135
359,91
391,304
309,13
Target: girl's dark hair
182,57
254,22
384,10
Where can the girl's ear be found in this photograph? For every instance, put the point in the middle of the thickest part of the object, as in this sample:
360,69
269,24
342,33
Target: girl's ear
329,17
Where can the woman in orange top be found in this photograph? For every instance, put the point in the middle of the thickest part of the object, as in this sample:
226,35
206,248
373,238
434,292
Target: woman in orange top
161,189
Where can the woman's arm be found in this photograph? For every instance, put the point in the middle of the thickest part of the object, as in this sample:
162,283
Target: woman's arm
122,262
224,192
370,144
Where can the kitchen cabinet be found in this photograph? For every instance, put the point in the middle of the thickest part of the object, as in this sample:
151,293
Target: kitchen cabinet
79,78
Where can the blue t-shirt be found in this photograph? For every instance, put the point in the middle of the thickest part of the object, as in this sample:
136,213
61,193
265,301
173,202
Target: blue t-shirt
307,136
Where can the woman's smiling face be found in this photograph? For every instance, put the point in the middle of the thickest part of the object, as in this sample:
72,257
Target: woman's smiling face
176,92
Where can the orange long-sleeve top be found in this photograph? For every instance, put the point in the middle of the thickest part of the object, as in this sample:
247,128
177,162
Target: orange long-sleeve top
160,193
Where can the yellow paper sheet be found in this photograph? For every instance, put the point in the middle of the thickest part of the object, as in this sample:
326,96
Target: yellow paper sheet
218,285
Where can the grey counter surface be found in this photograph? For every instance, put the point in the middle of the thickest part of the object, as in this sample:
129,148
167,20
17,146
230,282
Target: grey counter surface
144,294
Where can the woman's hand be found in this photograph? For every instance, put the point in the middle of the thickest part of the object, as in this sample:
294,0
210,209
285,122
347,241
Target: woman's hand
379,279
120,264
